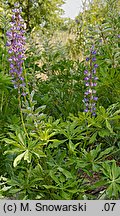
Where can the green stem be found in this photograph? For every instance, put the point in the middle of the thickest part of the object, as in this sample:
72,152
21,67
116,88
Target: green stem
26,81
30,102
21,114
2,98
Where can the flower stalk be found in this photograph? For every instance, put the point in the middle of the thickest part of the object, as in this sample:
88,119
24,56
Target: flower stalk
16,44
90,83
16,50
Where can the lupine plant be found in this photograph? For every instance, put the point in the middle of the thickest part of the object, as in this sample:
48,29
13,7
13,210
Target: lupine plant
90,83
16,44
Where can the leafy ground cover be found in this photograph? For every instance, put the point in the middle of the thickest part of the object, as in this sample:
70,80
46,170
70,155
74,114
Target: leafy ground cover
60,104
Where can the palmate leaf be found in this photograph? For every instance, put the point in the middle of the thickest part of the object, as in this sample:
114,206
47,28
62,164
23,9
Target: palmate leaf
26,155
35,144
113,190
46,135
111,173
106,169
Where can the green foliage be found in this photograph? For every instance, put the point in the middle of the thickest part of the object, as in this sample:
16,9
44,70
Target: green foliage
111,174
40,12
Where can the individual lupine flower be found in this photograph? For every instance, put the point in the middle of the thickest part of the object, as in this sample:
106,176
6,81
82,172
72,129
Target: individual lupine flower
87,59
93,52
86,72
16,44
94,59
95,65
90,78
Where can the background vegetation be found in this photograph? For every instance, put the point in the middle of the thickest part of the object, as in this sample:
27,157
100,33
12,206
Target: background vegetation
49,147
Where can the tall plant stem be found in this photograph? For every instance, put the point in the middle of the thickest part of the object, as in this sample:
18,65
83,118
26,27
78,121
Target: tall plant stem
29,97
21,115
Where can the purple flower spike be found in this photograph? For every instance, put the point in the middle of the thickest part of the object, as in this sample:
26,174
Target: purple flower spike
16,44
90,83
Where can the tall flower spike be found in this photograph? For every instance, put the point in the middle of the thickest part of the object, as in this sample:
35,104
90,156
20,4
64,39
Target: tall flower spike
16,44
90,83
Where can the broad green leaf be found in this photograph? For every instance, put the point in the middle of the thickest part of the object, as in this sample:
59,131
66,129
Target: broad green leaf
93,138
21,139
40,109
106,152
12,136
54,177
12,142
62,178
27,111
27,156
104,132
115,171
18,159
106,169
38,153
65,172
50,187
56,143
14,190
65,195
118,181
108,125
71,146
